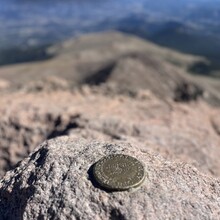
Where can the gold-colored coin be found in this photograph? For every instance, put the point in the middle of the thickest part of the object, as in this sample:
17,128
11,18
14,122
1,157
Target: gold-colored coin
119,172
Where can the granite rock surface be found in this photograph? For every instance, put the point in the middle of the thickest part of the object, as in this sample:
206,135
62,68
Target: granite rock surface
103,94
178,131
55,182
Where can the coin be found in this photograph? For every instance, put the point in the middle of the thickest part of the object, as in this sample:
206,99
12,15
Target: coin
119,172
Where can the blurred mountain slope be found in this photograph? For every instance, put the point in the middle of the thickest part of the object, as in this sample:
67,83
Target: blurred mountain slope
116,58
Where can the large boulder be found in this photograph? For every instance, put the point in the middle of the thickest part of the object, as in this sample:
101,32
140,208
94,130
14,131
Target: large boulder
171,129
56,182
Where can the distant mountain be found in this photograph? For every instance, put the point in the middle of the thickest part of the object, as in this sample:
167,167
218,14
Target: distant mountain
185,25
183,36
113,57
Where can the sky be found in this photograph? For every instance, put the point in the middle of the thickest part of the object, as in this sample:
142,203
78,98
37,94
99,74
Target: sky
32,22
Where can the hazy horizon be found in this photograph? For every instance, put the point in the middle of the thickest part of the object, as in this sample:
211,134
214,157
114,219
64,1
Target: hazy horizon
188,26
44,21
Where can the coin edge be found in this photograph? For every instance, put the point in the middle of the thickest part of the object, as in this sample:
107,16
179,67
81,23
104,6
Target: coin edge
106,186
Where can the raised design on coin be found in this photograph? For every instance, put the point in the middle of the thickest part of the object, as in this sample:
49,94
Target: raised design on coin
119,172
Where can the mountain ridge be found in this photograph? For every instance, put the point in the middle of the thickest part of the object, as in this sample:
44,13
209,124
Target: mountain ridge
104,94
82,58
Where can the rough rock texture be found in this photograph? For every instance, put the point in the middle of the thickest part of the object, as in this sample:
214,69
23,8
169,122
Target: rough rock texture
178,131
55,182
108,93
216,123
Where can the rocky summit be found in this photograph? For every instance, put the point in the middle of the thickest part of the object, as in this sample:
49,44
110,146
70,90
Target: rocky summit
55,182
105,94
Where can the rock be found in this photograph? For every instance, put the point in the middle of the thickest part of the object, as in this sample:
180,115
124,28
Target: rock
186,92
108,93
215,120
4,84
55,182
171,129
48,84
26,127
